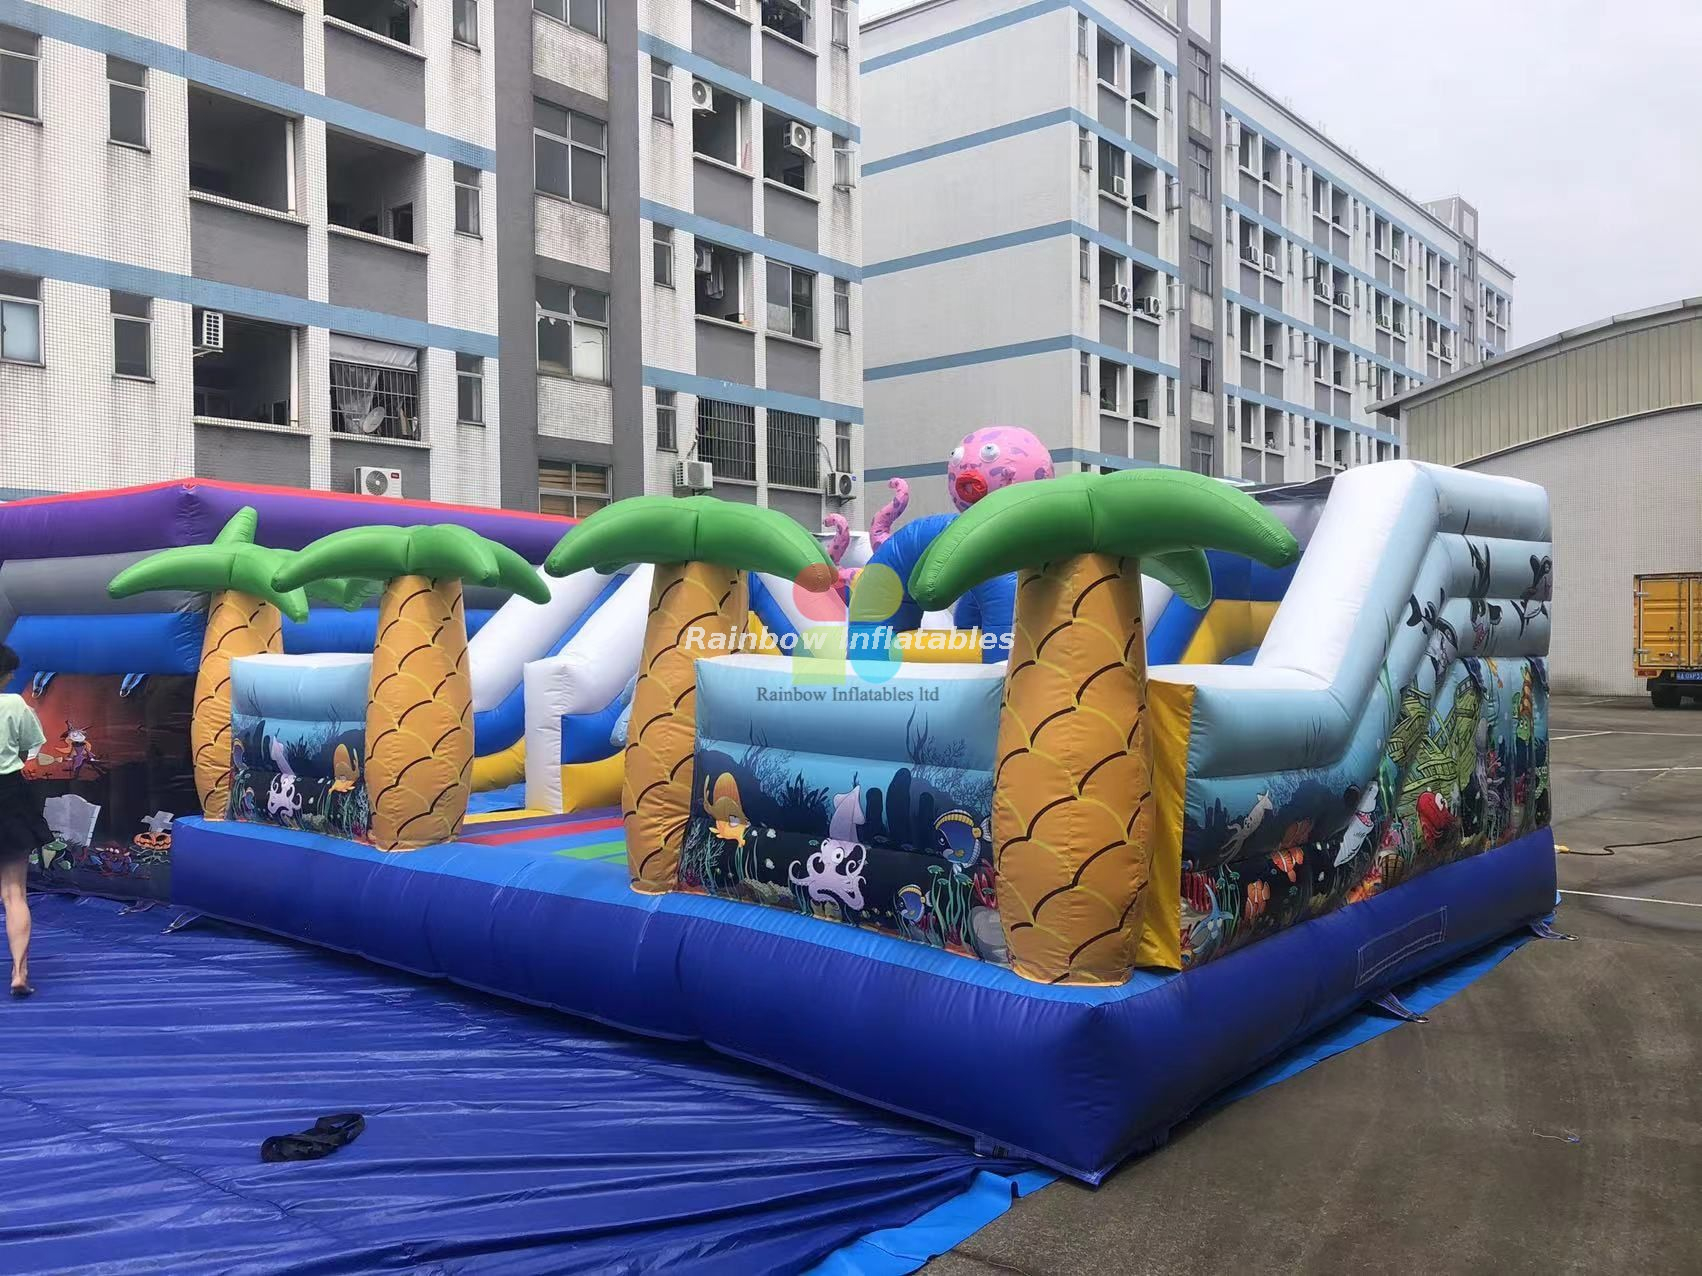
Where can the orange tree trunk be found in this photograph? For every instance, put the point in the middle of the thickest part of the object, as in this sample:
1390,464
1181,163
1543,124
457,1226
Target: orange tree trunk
238,624
696,609
419,716
1072,800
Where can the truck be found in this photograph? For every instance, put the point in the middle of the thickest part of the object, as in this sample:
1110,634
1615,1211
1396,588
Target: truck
1668,636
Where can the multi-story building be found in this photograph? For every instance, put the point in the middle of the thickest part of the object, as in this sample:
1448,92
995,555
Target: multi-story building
529,253
1081,221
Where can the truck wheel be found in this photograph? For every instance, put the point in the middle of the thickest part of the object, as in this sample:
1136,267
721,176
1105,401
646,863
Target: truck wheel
1664,697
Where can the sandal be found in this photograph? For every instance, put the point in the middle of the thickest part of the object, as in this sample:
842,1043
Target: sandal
327,1135
21,991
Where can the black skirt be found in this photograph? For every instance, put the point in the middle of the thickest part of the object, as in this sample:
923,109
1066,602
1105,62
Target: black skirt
22,829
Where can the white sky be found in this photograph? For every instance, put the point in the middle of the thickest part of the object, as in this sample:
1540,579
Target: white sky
1574,126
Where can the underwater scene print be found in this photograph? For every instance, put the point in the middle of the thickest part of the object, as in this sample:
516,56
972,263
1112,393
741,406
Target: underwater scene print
300,775
900,848
1463,771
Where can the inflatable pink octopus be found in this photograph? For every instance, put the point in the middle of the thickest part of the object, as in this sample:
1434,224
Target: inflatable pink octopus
994,457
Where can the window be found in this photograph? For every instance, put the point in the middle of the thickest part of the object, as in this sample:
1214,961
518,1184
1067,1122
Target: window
661,90
1113,169
132,335
1110,65
466,200
788,151
662,254
791,301
469,389
1202,453
1201,72
389,18
572,489
586,15
842,446
1200,251
20,318
1110,386
842,24
375,388
842,305
791,20
1084,260
1081,36
20,73
844,163
570,155
667,427
794,450
1200,350
127,102
720,274
726,438
466,26
573,332
719,132
1086,372
1199,163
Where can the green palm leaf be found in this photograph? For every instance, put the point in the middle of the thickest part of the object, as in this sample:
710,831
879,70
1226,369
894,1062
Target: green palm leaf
232,562
693,529
440,552
1164,518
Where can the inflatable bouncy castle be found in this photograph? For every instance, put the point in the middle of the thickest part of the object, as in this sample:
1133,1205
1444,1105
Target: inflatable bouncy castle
1216,770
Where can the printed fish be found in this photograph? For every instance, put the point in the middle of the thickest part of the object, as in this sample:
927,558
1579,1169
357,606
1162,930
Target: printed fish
343,771
1359,827
959,839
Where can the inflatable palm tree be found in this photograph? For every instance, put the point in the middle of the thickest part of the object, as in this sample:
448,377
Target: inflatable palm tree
244,618
701,547
419,716
1072,800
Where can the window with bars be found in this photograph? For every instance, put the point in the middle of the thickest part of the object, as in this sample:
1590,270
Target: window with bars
667,422
794,452
467,200
842,305
726,438
572,489
842,446
127,102
573,332
791,301
469,389
20,73
132,335
570,155
378,400
588,16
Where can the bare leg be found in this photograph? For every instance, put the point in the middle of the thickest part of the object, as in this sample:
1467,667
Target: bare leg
14,897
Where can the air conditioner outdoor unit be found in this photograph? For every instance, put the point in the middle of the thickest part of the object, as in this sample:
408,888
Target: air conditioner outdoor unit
1120,294
1251,253
1400,328
212,335
698,476
1172,296
800,139
1120,186
1271,262
370,480
1344,299
841,485
1321,287
1383,322
1150,306
702,95
1172,194
702,258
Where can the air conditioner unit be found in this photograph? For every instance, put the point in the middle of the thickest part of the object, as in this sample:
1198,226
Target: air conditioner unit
1383,322
702,258
1120,294
212,330
841,485
1172,296
1150,306
801,139
1321,287
1172,194
1119,186
1344,299
698,476
1271,262
370,480
1251,253
1400,328
702,95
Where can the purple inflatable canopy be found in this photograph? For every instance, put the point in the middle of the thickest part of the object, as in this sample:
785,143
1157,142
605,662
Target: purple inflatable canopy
191,512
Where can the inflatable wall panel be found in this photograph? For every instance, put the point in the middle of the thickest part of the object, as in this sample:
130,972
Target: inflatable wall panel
299,742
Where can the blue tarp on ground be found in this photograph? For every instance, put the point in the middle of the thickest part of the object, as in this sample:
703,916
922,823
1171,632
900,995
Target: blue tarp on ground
135,1091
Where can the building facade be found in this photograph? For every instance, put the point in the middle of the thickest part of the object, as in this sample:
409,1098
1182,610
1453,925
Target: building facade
1608,418
529,253
1080,220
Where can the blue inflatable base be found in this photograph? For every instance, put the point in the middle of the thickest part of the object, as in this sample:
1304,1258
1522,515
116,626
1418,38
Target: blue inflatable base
1074,1078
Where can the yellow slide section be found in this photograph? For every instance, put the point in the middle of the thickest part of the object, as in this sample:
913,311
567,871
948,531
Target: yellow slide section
1229,627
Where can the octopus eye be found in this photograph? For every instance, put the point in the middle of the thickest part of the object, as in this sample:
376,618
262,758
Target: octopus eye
957,453
989,451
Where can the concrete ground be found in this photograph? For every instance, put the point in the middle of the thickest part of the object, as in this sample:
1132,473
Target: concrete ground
1548,1119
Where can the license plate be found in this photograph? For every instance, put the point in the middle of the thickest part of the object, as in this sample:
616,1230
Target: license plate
1688,675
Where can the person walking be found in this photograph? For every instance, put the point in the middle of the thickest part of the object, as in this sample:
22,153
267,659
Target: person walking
22,829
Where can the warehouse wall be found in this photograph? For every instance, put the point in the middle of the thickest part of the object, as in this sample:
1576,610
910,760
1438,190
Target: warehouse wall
1626,498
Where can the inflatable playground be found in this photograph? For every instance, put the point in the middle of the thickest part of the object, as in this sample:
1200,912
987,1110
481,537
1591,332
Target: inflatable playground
1042,822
